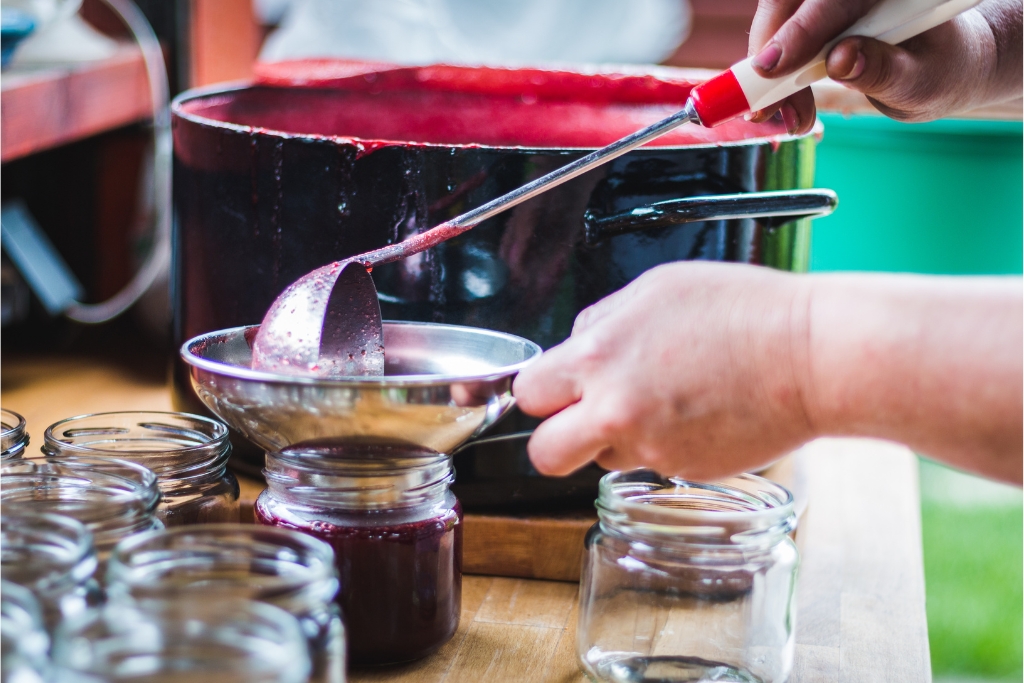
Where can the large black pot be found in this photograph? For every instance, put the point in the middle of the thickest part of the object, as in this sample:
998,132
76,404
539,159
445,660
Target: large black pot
274,180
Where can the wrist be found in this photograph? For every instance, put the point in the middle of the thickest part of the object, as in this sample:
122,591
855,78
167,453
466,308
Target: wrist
801,361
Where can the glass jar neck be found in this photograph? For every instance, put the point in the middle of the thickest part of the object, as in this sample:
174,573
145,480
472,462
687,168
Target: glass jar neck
286,568
364,479
742,512
112,498
13,435
182,450
185,639
50,554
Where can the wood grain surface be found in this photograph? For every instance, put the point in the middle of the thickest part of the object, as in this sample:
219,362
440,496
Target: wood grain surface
860,597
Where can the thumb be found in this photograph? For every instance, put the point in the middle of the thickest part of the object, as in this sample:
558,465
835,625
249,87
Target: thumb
902,82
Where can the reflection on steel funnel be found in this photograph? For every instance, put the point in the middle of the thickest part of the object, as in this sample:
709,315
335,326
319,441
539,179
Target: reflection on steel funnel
441,385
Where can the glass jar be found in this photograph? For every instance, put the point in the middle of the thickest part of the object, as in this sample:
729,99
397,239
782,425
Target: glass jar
112,498
396,530
684,581
188,453
194,640
282,567
24,644
13,435
52,556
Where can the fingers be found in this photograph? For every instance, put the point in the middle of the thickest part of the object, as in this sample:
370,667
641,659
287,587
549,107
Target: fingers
548,385
769,18
589,316
798,112
805,33
565,442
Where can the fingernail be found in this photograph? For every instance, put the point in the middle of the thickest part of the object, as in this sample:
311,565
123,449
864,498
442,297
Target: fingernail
858,68
768,57
790,117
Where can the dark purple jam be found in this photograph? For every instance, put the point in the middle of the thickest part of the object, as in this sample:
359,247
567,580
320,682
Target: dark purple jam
401,584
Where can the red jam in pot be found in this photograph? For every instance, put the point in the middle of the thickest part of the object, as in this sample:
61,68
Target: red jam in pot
396,531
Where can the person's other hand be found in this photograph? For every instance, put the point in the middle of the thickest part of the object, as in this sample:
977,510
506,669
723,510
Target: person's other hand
972,60
694,369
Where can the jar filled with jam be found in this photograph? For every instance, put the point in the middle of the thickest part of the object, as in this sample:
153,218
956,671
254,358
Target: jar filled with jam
112,498
278,566
396,531
188,453
52,556
13,435
687,581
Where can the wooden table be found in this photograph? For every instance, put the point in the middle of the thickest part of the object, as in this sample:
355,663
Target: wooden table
860,599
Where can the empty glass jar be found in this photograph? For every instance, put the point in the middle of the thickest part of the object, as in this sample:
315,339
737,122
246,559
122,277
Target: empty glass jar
684,581
282,567
189,640
13,435
52,556
188,453
397,536
112,498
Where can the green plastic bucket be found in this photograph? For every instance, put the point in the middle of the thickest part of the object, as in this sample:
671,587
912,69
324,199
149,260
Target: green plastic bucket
939,197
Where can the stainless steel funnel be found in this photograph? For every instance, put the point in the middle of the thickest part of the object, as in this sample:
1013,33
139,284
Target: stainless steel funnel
442,384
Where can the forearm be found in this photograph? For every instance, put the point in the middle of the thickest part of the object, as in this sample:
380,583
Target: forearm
935,363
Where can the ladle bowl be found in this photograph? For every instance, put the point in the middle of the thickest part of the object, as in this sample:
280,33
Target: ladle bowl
442,384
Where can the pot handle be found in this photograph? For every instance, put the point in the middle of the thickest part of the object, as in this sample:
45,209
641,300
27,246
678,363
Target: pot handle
777,206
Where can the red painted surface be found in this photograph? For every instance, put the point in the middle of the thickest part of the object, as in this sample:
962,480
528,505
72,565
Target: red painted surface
373,105
720,100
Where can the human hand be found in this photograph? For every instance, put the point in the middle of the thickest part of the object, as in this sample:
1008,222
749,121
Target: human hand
694,369
972,60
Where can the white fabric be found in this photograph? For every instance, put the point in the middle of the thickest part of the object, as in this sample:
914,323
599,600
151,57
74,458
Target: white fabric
506,32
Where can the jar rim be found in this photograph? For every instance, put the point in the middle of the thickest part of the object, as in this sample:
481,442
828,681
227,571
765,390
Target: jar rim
730,510
207,449
240,625
358,483
12,429
144,557
56,531
128,485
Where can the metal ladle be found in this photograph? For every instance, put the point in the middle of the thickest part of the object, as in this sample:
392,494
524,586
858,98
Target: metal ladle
327,323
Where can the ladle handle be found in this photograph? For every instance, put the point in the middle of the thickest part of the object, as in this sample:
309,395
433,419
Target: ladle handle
783,206
460,224
574,168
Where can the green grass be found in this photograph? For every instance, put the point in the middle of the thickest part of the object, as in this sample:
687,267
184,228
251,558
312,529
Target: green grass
973,574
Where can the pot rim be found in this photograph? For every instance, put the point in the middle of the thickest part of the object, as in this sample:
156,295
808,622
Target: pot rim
367,145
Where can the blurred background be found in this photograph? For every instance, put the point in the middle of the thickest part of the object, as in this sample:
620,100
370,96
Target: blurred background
942,198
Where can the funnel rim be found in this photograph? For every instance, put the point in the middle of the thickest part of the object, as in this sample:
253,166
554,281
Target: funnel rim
197,362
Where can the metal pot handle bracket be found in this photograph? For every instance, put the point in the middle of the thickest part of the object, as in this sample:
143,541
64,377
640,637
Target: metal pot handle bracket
777,207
